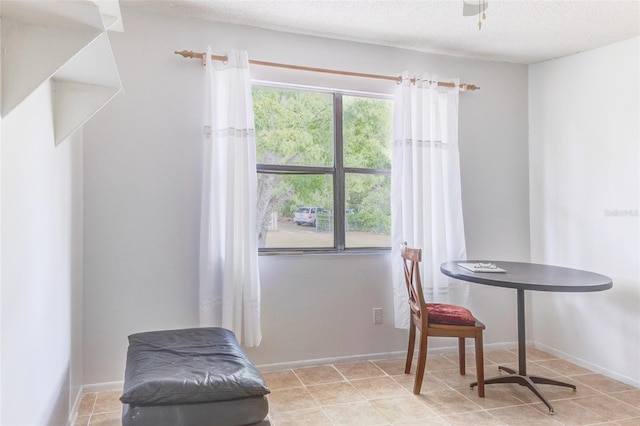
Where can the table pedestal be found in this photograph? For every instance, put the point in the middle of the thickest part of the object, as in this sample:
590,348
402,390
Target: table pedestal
520,377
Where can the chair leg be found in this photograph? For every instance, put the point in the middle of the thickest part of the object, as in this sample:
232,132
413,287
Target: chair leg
480,363
422,363
462,360
411,348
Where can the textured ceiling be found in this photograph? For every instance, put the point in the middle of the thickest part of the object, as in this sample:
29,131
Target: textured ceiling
514,31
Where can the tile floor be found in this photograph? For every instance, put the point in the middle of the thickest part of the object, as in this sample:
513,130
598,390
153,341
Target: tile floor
378,393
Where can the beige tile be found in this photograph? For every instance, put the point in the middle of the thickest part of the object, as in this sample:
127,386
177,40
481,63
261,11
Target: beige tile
290,399
470,359
311,417
318,375
335,393
429,383
608,407
406,380
431,421
521,393
439,362
281,379
501,356
522,415
550,392
454,379
379,387
86,404
494,397
629,422
402,408
473,418
392,367
602,383
553,393
564,367
630,397
107,402
359,370
448,402
569,412
106,419
534,354
81,421
355,414
535,369
329,399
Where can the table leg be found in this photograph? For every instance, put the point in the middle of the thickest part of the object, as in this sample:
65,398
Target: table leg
522,340
520,377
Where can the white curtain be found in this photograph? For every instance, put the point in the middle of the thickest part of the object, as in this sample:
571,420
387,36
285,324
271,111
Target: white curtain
425,189
229,280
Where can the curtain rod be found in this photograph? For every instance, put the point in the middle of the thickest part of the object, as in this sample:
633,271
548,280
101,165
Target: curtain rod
397,79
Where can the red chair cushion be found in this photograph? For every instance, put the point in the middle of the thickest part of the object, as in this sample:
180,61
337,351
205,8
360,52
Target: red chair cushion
441,313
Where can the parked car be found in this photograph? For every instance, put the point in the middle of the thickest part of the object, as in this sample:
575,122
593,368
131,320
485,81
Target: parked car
308,215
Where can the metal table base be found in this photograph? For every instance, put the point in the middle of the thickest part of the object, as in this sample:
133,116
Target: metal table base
520,377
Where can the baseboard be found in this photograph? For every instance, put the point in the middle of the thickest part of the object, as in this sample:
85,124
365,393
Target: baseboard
103,387
366,357
74,409
586,364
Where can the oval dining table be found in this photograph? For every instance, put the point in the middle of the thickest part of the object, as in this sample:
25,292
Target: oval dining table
521,277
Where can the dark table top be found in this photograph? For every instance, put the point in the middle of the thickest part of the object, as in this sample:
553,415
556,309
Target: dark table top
530,276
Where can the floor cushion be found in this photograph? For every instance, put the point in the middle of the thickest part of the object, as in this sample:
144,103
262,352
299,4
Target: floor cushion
191,370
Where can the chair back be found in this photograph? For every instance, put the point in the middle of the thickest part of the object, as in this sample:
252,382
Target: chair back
411,258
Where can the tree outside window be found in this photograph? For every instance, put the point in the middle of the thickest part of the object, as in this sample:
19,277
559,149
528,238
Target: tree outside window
320,153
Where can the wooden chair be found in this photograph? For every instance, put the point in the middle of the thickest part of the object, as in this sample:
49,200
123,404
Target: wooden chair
438,320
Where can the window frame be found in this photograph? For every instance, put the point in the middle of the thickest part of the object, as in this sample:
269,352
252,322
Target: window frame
338,171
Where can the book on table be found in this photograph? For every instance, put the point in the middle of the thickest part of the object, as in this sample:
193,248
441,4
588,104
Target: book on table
481,267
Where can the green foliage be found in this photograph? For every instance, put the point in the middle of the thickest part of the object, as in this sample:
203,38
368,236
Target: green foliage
309,190
296,128
368,195
293,127
367,132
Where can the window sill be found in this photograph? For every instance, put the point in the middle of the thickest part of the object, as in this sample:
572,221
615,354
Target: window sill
315,252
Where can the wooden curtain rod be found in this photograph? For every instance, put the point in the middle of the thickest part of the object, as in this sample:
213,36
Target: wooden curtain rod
397,79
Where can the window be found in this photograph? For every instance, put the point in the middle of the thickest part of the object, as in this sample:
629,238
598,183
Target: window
324,177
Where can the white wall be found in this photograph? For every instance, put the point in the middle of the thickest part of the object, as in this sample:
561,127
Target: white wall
142,194
584,157
41,267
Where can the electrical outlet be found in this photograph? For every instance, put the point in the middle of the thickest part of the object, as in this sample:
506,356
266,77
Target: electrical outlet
377,315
